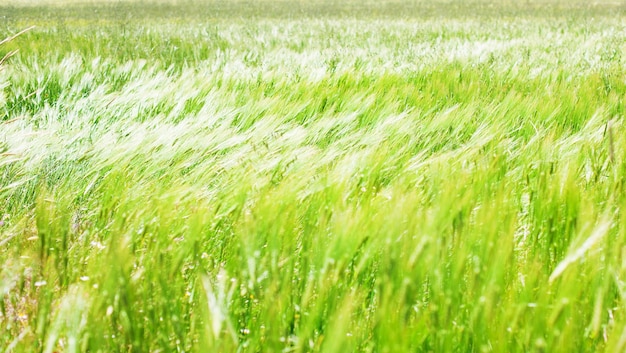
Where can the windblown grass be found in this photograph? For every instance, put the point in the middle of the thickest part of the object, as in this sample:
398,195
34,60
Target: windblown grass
314,183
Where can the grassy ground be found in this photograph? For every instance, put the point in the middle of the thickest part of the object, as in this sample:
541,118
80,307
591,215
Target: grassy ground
267,176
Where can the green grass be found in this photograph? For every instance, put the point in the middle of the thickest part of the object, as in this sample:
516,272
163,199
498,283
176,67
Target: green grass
313,177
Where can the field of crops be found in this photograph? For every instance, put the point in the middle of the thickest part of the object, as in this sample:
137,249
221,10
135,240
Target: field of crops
313,176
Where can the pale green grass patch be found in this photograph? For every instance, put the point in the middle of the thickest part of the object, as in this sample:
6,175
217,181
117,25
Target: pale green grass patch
378,182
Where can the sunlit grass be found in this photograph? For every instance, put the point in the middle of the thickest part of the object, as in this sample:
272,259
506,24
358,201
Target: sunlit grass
322,182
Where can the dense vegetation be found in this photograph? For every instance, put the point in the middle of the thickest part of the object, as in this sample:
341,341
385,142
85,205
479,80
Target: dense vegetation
309,176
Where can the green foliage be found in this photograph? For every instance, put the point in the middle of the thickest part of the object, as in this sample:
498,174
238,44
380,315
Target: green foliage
384,177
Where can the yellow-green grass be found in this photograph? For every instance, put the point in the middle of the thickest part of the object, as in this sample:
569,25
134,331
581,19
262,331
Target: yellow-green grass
304,177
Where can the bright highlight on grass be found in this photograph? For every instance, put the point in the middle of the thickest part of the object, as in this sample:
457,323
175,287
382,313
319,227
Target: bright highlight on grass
313,177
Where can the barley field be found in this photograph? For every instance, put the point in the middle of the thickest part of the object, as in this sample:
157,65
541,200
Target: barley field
312,176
